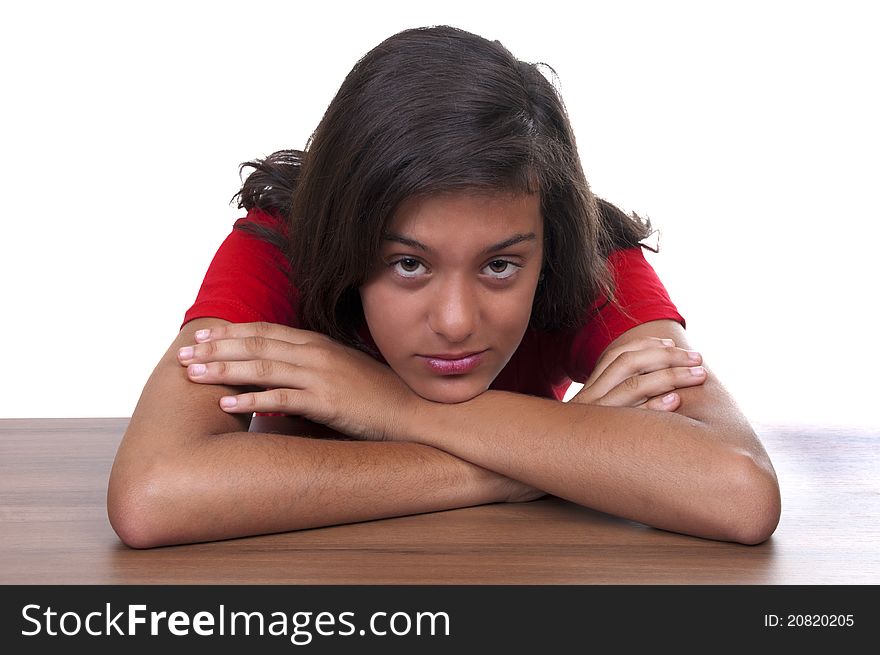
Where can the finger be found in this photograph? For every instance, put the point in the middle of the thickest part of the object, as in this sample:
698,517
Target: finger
258,372
242,349
287,401
638,362
256,329
666,403
642,388
594,387
636,344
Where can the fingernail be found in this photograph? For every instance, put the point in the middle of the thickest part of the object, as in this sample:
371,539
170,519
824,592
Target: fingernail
197,369
693,355
668,342
697,370
669,398
228,402
202,335
185,353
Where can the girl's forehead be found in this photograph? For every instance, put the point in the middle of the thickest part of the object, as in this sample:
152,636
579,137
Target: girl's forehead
471,210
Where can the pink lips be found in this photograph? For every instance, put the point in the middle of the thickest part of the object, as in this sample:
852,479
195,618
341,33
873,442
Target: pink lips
444,366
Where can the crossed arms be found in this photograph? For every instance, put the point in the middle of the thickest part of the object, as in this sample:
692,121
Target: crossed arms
188,471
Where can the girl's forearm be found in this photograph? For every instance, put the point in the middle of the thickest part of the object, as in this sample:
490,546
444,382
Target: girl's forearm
245,483
659,468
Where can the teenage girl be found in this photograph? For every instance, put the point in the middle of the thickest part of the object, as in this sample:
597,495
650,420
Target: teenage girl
409,297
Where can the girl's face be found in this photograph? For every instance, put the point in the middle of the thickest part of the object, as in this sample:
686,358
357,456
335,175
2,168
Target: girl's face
451,296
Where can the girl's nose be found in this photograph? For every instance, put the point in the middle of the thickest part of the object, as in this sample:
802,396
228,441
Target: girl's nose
454,313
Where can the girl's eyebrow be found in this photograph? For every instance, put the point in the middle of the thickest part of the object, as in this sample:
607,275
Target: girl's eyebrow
501,245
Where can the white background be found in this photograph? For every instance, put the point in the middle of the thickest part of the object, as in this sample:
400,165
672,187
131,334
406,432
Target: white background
747,132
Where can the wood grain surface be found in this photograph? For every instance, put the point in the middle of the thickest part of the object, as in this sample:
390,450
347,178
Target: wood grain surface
54,528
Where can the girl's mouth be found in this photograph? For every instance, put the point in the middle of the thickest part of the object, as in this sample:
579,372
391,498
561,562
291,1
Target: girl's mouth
452,365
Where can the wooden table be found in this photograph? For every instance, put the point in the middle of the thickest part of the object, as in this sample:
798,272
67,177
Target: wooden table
53,481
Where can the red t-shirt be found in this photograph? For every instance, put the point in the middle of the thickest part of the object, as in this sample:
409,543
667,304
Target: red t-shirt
247,282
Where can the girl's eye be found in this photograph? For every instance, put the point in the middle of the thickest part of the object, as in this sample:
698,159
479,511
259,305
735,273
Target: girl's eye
407,267
501,268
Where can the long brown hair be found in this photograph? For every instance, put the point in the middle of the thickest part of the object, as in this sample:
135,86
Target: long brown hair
432,110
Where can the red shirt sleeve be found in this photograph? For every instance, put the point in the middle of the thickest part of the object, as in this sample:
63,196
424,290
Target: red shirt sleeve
640,292
247,280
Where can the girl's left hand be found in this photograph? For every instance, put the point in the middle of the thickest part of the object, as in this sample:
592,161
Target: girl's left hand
642,373
306,373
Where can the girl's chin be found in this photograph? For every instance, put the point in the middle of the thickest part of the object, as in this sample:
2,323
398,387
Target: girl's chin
449,390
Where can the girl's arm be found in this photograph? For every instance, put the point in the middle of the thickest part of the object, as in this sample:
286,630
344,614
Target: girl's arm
186,471
700,471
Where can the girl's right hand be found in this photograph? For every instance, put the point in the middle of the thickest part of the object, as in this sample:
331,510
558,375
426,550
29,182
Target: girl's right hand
642,373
